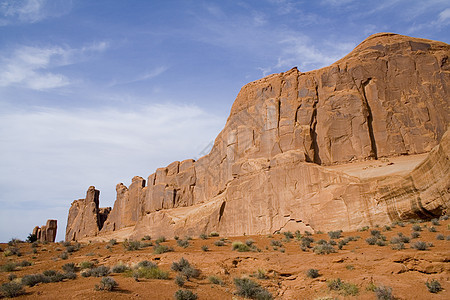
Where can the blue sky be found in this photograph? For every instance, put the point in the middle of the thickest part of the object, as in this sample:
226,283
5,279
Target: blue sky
96,92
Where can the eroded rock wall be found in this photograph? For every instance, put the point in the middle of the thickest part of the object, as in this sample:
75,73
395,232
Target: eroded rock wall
388,97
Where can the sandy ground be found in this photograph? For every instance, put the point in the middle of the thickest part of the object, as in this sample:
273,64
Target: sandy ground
399,165
405,271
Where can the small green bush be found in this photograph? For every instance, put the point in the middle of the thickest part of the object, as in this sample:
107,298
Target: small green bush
215,280
240,247
152,272
12,276
86,265
398,246
132,245
185,295
161,239
372,240
440,236
276,243
312,273
106,284
205,248
346,289
64,255
306,241
183,243
435,222
219,243
146,263
33,279
159,249
112,242
288,235
11,289
432,229
261,274
146,238
185,268
9,267
203,236
250,289
214,234
433,286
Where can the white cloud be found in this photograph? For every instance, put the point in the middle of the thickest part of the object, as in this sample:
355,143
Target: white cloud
31,11
31,67
444,16
49,157
145,76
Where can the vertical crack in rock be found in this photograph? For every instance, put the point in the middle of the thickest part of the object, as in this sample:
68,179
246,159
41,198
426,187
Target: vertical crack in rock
373,152
312,129
222,209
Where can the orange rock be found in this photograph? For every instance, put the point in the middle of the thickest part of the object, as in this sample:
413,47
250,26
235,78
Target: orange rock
273,165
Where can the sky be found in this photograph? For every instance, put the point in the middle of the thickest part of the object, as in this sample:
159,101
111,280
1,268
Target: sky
96,92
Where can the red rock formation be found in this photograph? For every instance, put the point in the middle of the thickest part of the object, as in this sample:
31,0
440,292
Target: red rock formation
46,233
271,166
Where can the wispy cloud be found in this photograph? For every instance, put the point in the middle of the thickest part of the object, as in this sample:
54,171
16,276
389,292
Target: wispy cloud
145,76
33,67
31,11
59,153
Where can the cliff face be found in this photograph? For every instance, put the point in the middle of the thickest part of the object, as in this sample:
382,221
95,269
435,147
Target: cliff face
271,167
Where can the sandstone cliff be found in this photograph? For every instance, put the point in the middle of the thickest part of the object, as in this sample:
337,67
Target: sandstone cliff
272,166
46,233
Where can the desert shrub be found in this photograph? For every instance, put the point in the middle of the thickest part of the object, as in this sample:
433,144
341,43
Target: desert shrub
12,276
261,274
132,245
31,238
9,267
335,234
106,284
324,249
398,246
159,249
387,228
440,237
383,293
112,242
288,235
152,272
321,242
251,289
11,289
344,288
161,239
444,217
146,238
435,222
100,271
240,247
433,286
312,273
185,295
86,273
276,243
69,267
203,236
215,280
183,243
375,232
380,243
70,275
119,268
64,255
86,265
179,266
214,234
249,242
205,248
307,233
306,241
49,273
185,268
419,245
219,243
432,229
12,251
57,277
447,238
416,227
145,264
179,280
365,228
372,240
33,279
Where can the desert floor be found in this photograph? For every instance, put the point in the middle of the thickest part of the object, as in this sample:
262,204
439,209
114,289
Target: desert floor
362,265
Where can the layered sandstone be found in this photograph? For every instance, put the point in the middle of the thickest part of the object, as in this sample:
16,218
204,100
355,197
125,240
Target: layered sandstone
272,166
47,232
